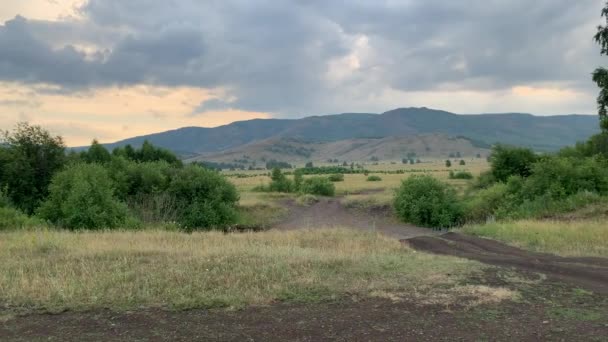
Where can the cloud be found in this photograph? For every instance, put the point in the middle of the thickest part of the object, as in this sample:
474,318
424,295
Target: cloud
295,58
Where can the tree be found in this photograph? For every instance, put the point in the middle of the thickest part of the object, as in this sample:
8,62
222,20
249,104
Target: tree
309,165
96,154
600,75
511,161
462,162
448,163
31,158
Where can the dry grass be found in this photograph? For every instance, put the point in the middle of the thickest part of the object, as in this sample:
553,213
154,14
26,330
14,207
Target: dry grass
567,238
57,270
470,295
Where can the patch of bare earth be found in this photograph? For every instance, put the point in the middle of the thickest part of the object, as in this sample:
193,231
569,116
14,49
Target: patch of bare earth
588,273
330,212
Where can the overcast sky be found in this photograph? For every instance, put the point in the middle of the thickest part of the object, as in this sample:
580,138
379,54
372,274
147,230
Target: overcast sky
111,69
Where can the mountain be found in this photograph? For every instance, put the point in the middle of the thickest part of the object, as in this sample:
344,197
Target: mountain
296,151
543,133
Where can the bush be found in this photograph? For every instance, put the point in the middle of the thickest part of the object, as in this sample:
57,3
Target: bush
82,197
298,178
486,202
279,182
461,175
484,181
336,177
374,178
11,218
559,177
204,198
511,161
462,162
318,186
425,201
448,163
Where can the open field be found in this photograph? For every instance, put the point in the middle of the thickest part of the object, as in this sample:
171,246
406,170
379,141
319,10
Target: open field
58,270
587,237
355,187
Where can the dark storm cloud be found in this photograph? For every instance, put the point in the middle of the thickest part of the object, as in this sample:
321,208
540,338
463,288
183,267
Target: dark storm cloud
277,56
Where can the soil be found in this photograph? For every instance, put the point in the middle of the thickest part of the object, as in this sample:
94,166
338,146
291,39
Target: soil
549,313
329,212
587,273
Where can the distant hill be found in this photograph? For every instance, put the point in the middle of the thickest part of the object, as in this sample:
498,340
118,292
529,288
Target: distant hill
543,133
296,151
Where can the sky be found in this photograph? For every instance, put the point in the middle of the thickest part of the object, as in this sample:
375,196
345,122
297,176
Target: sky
113,69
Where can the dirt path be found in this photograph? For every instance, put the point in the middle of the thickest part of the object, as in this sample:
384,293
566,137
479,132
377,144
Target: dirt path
329,212
548,313
587,273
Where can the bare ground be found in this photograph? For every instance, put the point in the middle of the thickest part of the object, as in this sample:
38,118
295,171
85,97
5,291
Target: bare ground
329,212
587,273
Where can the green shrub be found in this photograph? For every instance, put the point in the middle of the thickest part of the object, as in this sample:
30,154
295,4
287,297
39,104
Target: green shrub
318,186
485,180
448,163
11,218
485,203
559,177
374,178
298,178
425,201
204,198
511,161
338,177
461,175
82,197
279,182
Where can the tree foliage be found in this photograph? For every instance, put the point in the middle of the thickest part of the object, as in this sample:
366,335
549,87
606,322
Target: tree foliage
425,201
82,197
600,75
29,158
511,161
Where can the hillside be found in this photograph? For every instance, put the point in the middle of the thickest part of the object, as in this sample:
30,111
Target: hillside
539,132
296,151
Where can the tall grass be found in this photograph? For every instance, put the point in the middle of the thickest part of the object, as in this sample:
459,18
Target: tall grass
567,238
57,270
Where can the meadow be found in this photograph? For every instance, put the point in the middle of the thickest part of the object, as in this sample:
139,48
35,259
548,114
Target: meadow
355,188
49,270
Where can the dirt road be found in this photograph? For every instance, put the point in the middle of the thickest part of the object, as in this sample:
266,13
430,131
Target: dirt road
587,273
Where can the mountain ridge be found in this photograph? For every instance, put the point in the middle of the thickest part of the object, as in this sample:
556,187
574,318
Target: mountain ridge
543,133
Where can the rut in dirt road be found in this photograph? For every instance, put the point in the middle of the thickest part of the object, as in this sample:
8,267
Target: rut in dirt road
587,273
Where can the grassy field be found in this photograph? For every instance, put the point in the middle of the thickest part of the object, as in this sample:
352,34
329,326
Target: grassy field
567,238
355,187
59,270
